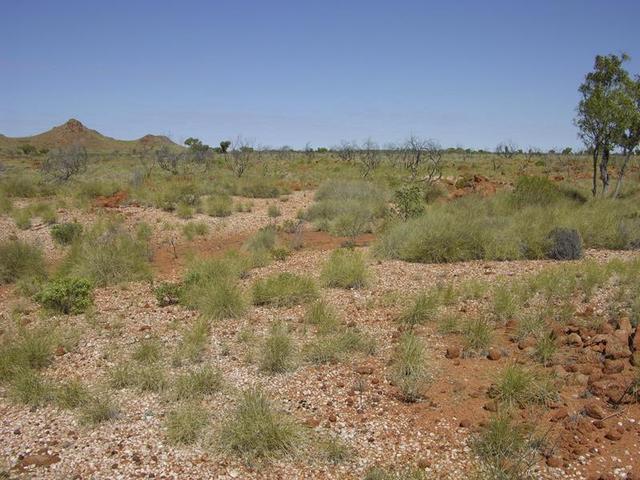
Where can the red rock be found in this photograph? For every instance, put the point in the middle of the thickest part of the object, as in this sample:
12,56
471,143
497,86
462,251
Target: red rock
60,351
490,406
613,366
636,341
494,354
555,462
526,343
613,435
424,463
595,410
452,352
364,369
574,340
625,324
333,418
465,423
39,460
616,350
559,414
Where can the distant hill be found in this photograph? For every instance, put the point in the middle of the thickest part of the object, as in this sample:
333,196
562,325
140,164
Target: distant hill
73,132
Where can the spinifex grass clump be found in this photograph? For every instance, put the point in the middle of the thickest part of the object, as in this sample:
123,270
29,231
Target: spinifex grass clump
256,430
66,233
345,269
278,350
19,260
409,367
283,290
211,286
348,208
108,254
423,309
519,386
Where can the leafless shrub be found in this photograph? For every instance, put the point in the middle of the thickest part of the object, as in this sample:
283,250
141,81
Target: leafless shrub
241,156
504,151
369,157
346,151
168,160
63,164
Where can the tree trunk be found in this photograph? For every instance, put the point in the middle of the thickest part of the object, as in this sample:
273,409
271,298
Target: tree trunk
604,171
594,190
621,174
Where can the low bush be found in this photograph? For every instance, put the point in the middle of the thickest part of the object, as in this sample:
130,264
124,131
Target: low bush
27,349
168,293
256,430
193,342
323,317
284,290
409,368
194,229
66,233
66,295
565,244
344,269
19,260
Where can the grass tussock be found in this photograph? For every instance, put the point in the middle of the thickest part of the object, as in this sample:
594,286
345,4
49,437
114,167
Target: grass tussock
345,268
108,254
278,350
20,260
185,423
410,373
284,290
197,384
519,386
423,309
255,429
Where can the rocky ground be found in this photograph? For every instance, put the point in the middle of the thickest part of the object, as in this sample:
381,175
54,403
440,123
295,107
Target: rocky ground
353,400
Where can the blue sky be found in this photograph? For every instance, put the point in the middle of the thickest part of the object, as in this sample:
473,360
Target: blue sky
466,73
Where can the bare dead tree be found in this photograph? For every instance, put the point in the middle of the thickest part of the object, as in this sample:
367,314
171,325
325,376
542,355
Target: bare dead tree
346,151
145,160
417,152
369,157
63,164
168,160
504,151
240,156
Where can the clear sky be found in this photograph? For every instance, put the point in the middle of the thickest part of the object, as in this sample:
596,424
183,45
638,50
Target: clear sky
468,73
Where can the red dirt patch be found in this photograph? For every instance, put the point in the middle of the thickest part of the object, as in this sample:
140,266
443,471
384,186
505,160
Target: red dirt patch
111,201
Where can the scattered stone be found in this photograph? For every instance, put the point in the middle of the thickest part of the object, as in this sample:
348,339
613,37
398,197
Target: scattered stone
39,460
491,406
594,410
613,435
465,423
616,350
574,340
453,352
494,354
555,461
364,369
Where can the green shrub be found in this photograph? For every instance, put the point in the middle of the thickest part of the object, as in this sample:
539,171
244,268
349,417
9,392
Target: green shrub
255,429
168,293
19,260
108,254
423,309
409,369
66,295
185,423
277,351
218,300
184,210
66,233
5,203
219,206
565,244
408,201
261,188
284,290
345,269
